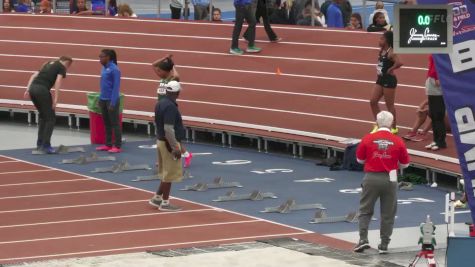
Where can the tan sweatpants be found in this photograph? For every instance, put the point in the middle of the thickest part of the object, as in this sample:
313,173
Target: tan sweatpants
169,169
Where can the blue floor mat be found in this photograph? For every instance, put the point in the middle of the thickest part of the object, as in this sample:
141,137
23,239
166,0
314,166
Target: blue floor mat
267,173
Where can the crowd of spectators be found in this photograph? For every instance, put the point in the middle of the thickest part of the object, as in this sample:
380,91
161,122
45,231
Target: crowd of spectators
76,7
330,13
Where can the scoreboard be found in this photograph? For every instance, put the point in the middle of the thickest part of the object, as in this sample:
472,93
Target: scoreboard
424,29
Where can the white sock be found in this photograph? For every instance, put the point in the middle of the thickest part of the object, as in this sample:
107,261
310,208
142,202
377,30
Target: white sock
186,154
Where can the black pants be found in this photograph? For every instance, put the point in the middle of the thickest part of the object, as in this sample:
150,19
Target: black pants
111,123
41,98
262,12
244,13
176,12
201,12
437,114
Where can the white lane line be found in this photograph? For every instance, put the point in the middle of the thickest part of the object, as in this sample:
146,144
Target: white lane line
210,86
232,70
8,161
311,29
130,231
179,36
15,172
274,110
266,128
77,206
202,52
458,212
65,193
181,199
46,182
154,246
156,213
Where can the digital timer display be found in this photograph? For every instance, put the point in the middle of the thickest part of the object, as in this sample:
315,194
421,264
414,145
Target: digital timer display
423,26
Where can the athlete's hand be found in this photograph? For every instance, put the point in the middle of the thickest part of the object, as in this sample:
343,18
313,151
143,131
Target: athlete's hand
176,153
54,104
111,108
26,95
437,83
391,71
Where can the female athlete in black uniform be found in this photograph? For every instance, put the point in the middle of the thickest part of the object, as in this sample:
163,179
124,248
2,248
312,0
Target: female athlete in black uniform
50,75
386,83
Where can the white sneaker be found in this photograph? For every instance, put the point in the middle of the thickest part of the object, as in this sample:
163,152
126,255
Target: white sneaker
429,146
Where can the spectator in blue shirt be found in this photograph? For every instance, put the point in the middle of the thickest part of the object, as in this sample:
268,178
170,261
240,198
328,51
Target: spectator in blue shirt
109,100
201,9
23,7
334,15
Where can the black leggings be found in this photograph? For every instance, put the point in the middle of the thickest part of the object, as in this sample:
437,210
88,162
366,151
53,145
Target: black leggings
437,114
261,12
41,98
111,123
176,12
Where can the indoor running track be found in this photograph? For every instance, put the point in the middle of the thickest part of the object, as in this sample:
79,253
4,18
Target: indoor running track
50,213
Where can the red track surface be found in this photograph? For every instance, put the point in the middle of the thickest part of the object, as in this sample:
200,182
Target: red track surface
55,214
327,78
327,75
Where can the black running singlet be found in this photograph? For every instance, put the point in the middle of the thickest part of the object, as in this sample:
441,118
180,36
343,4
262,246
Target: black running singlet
384,63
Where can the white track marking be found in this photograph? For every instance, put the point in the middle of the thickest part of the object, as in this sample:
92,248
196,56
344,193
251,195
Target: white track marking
65,193
129,231
46,182
155,213
25,171
151,193
77,206
214,38
195,52
315,29
154,246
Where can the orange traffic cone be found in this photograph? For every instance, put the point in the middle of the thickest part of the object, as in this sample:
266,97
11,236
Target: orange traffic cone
278,72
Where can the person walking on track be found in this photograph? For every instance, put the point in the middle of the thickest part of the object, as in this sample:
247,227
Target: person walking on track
382,154
165,69
262,12
244,11
38,90
109,101
170,133
386,82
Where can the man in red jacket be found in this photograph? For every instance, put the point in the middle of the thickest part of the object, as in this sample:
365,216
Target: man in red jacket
382,154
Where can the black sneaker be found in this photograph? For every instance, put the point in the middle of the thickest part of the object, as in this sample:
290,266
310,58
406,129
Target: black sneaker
382,249
169,207
155,201
361,246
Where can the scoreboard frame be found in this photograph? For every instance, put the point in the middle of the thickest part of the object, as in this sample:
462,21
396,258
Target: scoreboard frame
433,29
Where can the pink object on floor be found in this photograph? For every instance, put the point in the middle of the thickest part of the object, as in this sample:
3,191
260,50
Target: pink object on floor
188,160
115,150
103,148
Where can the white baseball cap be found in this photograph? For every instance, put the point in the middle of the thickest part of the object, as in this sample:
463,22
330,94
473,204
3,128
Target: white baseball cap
173,86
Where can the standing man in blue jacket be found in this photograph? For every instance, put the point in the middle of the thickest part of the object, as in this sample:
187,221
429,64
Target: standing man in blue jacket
201,9
244,11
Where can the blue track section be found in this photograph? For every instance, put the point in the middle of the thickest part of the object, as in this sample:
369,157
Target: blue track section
267,173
